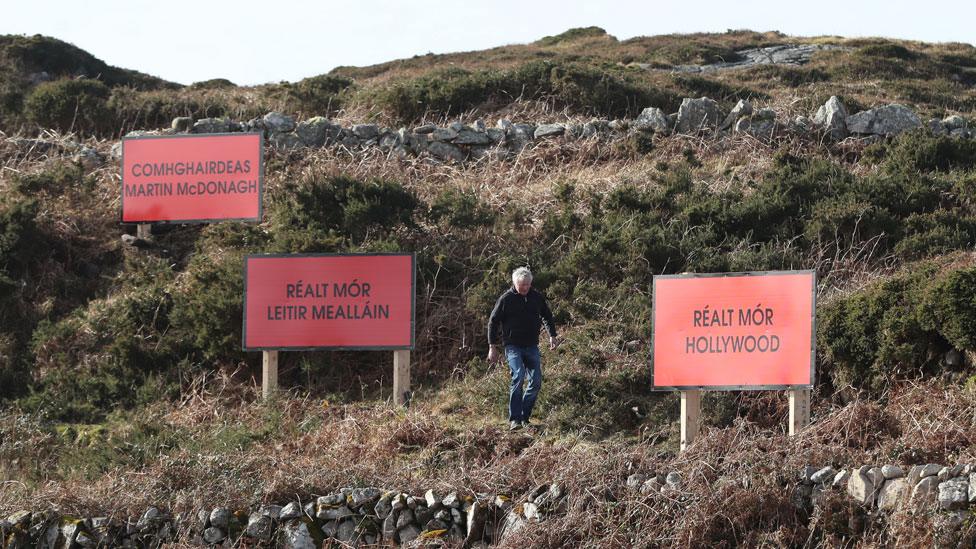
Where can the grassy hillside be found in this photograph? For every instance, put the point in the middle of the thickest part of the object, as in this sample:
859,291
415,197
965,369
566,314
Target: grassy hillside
122,382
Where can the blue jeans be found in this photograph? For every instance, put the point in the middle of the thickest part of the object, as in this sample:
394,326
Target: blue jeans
523,362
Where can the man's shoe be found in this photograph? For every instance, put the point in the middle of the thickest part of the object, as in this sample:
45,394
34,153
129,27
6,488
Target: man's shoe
514,425
527,423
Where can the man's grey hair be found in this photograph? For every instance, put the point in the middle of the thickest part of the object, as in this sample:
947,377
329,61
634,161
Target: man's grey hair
522,273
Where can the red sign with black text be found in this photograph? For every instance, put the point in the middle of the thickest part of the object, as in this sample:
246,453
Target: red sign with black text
733,331
356,301
192,178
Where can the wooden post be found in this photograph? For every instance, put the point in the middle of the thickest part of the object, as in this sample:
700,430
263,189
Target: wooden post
144,231
401,377
269,374
799,409
690,417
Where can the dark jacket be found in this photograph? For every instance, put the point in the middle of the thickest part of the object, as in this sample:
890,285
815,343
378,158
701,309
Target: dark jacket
520,318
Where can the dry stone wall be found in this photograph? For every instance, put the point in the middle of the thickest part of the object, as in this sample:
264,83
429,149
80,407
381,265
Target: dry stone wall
459,142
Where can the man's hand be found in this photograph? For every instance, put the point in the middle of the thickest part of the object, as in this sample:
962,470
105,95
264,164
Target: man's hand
493,354
553,343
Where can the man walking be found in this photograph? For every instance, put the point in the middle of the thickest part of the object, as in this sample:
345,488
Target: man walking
519,314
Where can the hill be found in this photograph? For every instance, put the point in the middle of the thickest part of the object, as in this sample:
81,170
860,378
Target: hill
125,393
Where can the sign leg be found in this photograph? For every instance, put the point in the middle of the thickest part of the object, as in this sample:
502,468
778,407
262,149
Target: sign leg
269,373
799,409
401,377
144,231
690,417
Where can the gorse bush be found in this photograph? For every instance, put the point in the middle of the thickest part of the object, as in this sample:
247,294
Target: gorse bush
332,214
898,328
70,105
582,88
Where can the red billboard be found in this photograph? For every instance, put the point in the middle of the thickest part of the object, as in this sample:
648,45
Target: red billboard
192,178
328,301
734,331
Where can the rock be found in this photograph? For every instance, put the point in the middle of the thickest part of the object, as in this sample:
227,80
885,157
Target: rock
88,158
383,508
317,131
151,519
802,124
549,130
330,528
651,485
741,109
696,115
936,127
337,513
652,118
471,137
259,526
926,490
954,494
876,476
346,531
445,151
406,517
621,125
425,129
211,125
479,126
531,512
891,493
182,124
457,516
512,523
957,470
408,533
972,487
271,511
364,496
451,500
861,487
85,541
961,133
805,474
504,124
495,135
297,536
832,116
213,535
477,515
885,120
399,502
823,475
389,527
285,141
841,478
366,132
291,511
412,502
929,470
594,127
635,480
436,525
892,471
954,122
444,134
673,480
276,122
756,126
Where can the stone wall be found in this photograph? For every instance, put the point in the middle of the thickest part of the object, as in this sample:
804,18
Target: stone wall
458,142
373,516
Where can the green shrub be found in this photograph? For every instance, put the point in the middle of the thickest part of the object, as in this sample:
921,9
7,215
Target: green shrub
70,105
570,35
460,210
320,95
98,357
920,152
898,328
208,309
320,215
579,87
